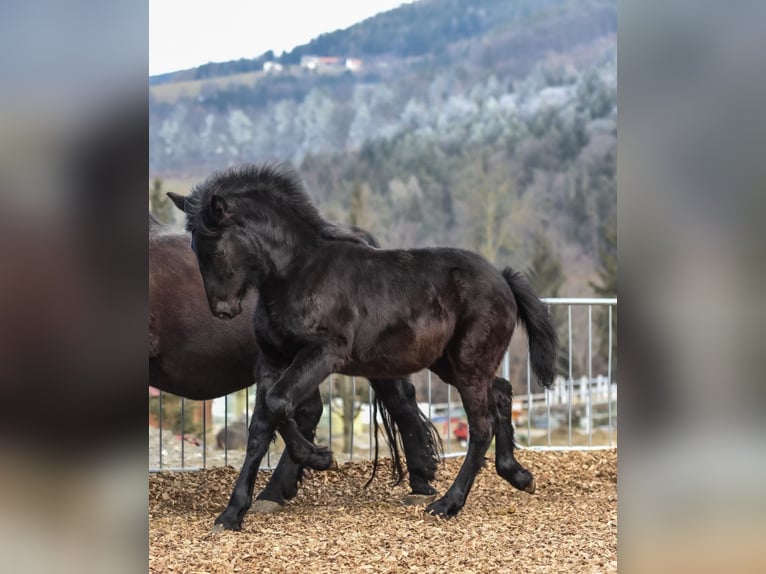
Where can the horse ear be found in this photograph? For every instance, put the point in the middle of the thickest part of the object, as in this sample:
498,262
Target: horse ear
219,210
178,200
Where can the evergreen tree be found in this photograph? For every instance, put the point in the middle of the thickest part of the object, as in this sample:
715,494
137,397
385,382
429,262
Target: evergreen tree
493,206
607,287
357,211
546,276
544,272
350,397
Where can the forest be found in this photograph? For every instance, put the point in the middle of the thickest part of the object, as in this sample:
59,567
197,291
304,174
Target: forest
486,125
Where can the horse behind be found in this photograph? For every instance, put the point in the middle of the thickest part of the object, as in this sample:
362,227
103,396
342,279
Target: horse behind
345,307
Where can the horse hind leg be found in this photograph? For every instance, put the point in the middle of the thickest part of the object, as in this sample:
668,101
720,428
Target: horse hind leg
476,402
420,439
505,463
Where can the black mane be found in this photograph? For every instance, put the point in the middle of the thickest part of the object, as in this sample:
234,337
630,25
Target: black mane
278,184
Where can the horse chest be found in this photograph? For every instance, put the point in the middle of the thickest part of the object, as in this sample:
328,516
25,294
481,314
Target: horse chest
280,333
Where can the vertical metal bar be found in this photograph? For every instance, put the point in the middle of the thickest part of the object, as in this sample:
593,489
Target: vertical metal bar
609,375
571,383
329,412
226,430
548,413
449,419
548,402
506,371
247,427
372,417
590,374
429,395
268,451
160,417
529,401
183,430
204,434
353,401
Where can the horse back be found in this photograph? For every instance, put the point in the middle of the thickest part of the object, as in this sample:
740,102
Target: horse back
400,308
192,353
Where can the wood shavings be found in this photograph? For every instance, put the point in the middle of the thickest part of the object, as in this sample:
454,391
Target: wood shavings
334,525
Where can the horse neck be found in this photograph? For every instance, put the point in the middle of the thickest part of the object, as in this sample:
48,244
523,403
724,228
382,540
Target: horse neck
280,254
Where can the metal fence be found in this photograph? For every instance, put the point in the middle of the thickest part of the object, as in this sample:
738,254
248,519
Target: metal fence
579,412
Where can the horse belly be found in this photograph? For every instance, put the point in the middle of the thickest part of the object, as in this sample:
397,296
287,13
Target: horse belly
399,352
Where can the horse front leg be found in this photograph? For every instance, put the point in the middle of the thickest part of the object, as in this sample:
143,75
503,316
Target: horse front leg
283,484
303,377
259,435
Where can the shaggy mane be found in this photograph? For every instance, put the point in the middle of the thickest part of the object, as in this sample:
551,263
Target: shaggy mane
278,185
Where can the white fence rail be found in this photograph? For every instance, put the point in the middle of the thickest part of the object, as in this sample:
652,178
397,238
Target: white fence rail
579,412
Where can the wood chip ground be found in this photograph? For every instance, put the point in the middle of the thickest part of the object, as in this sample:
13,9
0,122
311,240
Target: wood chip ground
335,525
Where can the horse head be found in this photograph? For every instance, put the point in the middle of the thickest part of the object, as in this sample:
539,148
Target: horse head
248,224
219,250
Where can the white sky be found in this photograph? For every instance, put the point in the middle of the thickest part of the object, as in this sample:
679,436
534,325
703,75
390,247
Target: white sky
187,33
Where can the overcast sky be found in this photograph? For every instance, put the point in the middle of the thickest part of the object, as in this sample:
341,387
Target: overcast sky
187,33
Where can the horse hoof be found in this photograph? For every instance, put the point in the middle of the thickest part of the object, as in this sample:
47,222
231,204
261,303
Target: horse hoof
226,522
442,509
320,459
412,499
530,487
262,506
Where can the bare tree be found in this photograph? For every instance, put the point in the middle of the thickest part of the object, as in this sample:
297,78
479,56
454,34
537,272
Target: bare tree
350,395
493,209
159,204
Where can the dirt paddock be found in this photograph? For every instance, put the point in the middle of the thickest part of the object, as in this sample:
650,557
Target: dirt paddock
335,525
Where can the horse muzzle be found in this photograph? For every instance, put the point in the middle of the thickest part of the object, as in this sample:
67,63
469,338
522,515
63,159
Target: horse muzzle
226,309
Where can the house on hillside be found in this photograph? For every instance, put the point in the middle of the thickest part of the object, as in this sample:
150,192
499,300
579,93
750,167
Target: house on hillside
353,64
272,67
318,63
330,63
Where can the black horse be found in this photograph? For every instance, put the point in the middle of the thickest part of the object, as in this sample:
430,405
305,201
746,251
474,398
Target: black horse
195,355
327,307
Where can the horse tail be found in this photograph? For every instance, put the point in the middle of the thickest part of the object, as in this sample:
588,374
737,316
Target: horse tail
392,439
536,320
434,446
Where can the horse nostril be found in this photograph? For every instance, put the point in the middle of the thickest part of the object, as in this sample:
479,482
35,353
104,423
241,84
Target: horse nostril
226,309
222,310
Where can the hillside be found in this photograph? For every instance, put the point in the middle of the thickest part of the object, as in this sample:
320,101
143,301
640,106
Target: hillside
499,39
489,125
416,29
